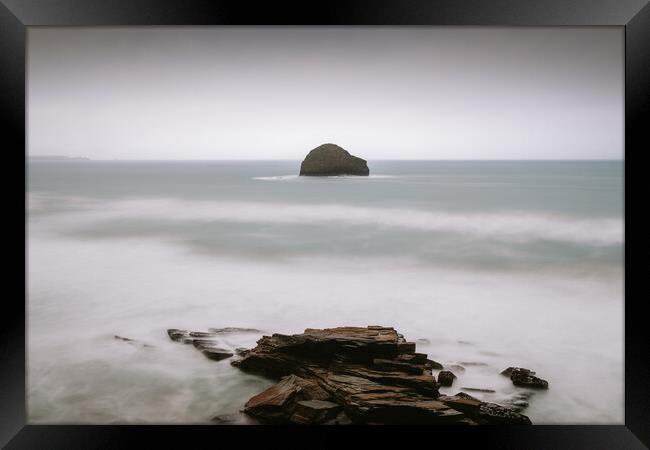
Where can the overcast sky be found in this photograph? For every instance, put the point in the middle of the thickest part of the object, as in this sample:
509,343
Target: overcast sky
278,92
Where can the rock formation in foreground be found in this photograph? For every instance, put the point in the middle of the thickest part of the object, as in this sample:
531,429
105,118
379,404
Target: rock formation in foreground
366,375
332,160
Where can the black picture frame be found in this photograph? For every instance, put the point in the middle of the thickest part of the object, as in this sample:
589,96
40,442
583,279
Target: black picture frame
633,15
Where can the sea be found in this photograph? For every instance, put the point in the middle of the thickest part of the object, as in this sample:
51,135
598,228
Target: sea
484,264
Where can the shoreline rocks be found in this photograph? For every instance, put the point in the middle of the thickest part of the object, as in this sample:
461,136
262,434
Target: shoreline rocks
205,342
332,160
371,373
525,378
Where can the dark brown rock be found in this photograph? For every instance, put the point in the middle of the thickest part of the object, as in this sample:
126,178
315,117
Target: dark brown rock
389,365
332,160
484,413
433,364
372,373
176,334
216,353
420,358
446,378
508,372
277,404
310,412
204,343
525,379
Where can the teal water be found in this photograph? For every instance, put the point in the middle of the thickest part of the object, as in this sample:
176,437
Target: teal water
523,259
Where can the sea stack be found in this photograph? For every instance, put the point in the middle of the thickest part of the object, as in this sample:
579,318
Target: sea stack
332,160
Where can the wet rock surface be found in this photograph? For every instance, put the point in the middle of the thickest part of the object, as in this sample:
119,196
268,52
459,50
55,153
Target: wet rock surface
216,353
206,342
278,404
332,160
446,378
484,413
233,330
517,401
525,378
372,374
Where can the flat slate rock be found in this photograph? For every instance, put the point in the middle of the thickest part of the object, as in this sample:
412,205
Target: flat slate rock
314,412
277,404
233,330
205,342
372,373
176,334
216,353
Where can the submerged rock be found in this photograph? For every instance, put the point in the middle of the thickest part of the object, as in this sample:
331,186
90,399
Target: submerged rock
233,330
446,378
216,353
524,378
508,372
372,373
332,160
201,334
176,334
517,401
132,341
484,413
472,389
203,341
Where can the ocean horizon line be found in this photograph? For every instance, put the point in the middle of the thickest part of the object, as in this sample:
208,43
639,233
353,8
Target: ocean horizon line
42,158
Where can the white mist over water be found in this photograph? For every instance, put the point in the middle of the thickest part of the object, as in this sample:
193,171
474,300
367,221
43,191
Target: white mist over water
491,283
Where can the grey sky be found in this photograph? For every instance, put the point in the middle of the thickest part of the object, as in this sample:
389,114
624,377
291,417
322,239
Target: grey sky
277,92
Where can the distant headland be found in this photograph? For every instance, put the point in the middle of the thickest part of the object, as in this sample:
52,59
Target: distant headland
332,160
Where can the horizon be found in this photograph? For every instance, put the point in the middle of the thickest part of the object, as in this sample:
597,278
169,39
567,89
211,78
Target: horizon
83,158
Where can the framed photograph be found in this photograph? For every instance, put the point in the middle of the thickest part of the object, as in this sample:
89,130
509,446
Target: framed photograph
279,219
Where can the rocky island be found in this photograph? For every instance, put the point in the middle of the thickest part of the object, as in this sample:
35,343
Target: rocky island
332,160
